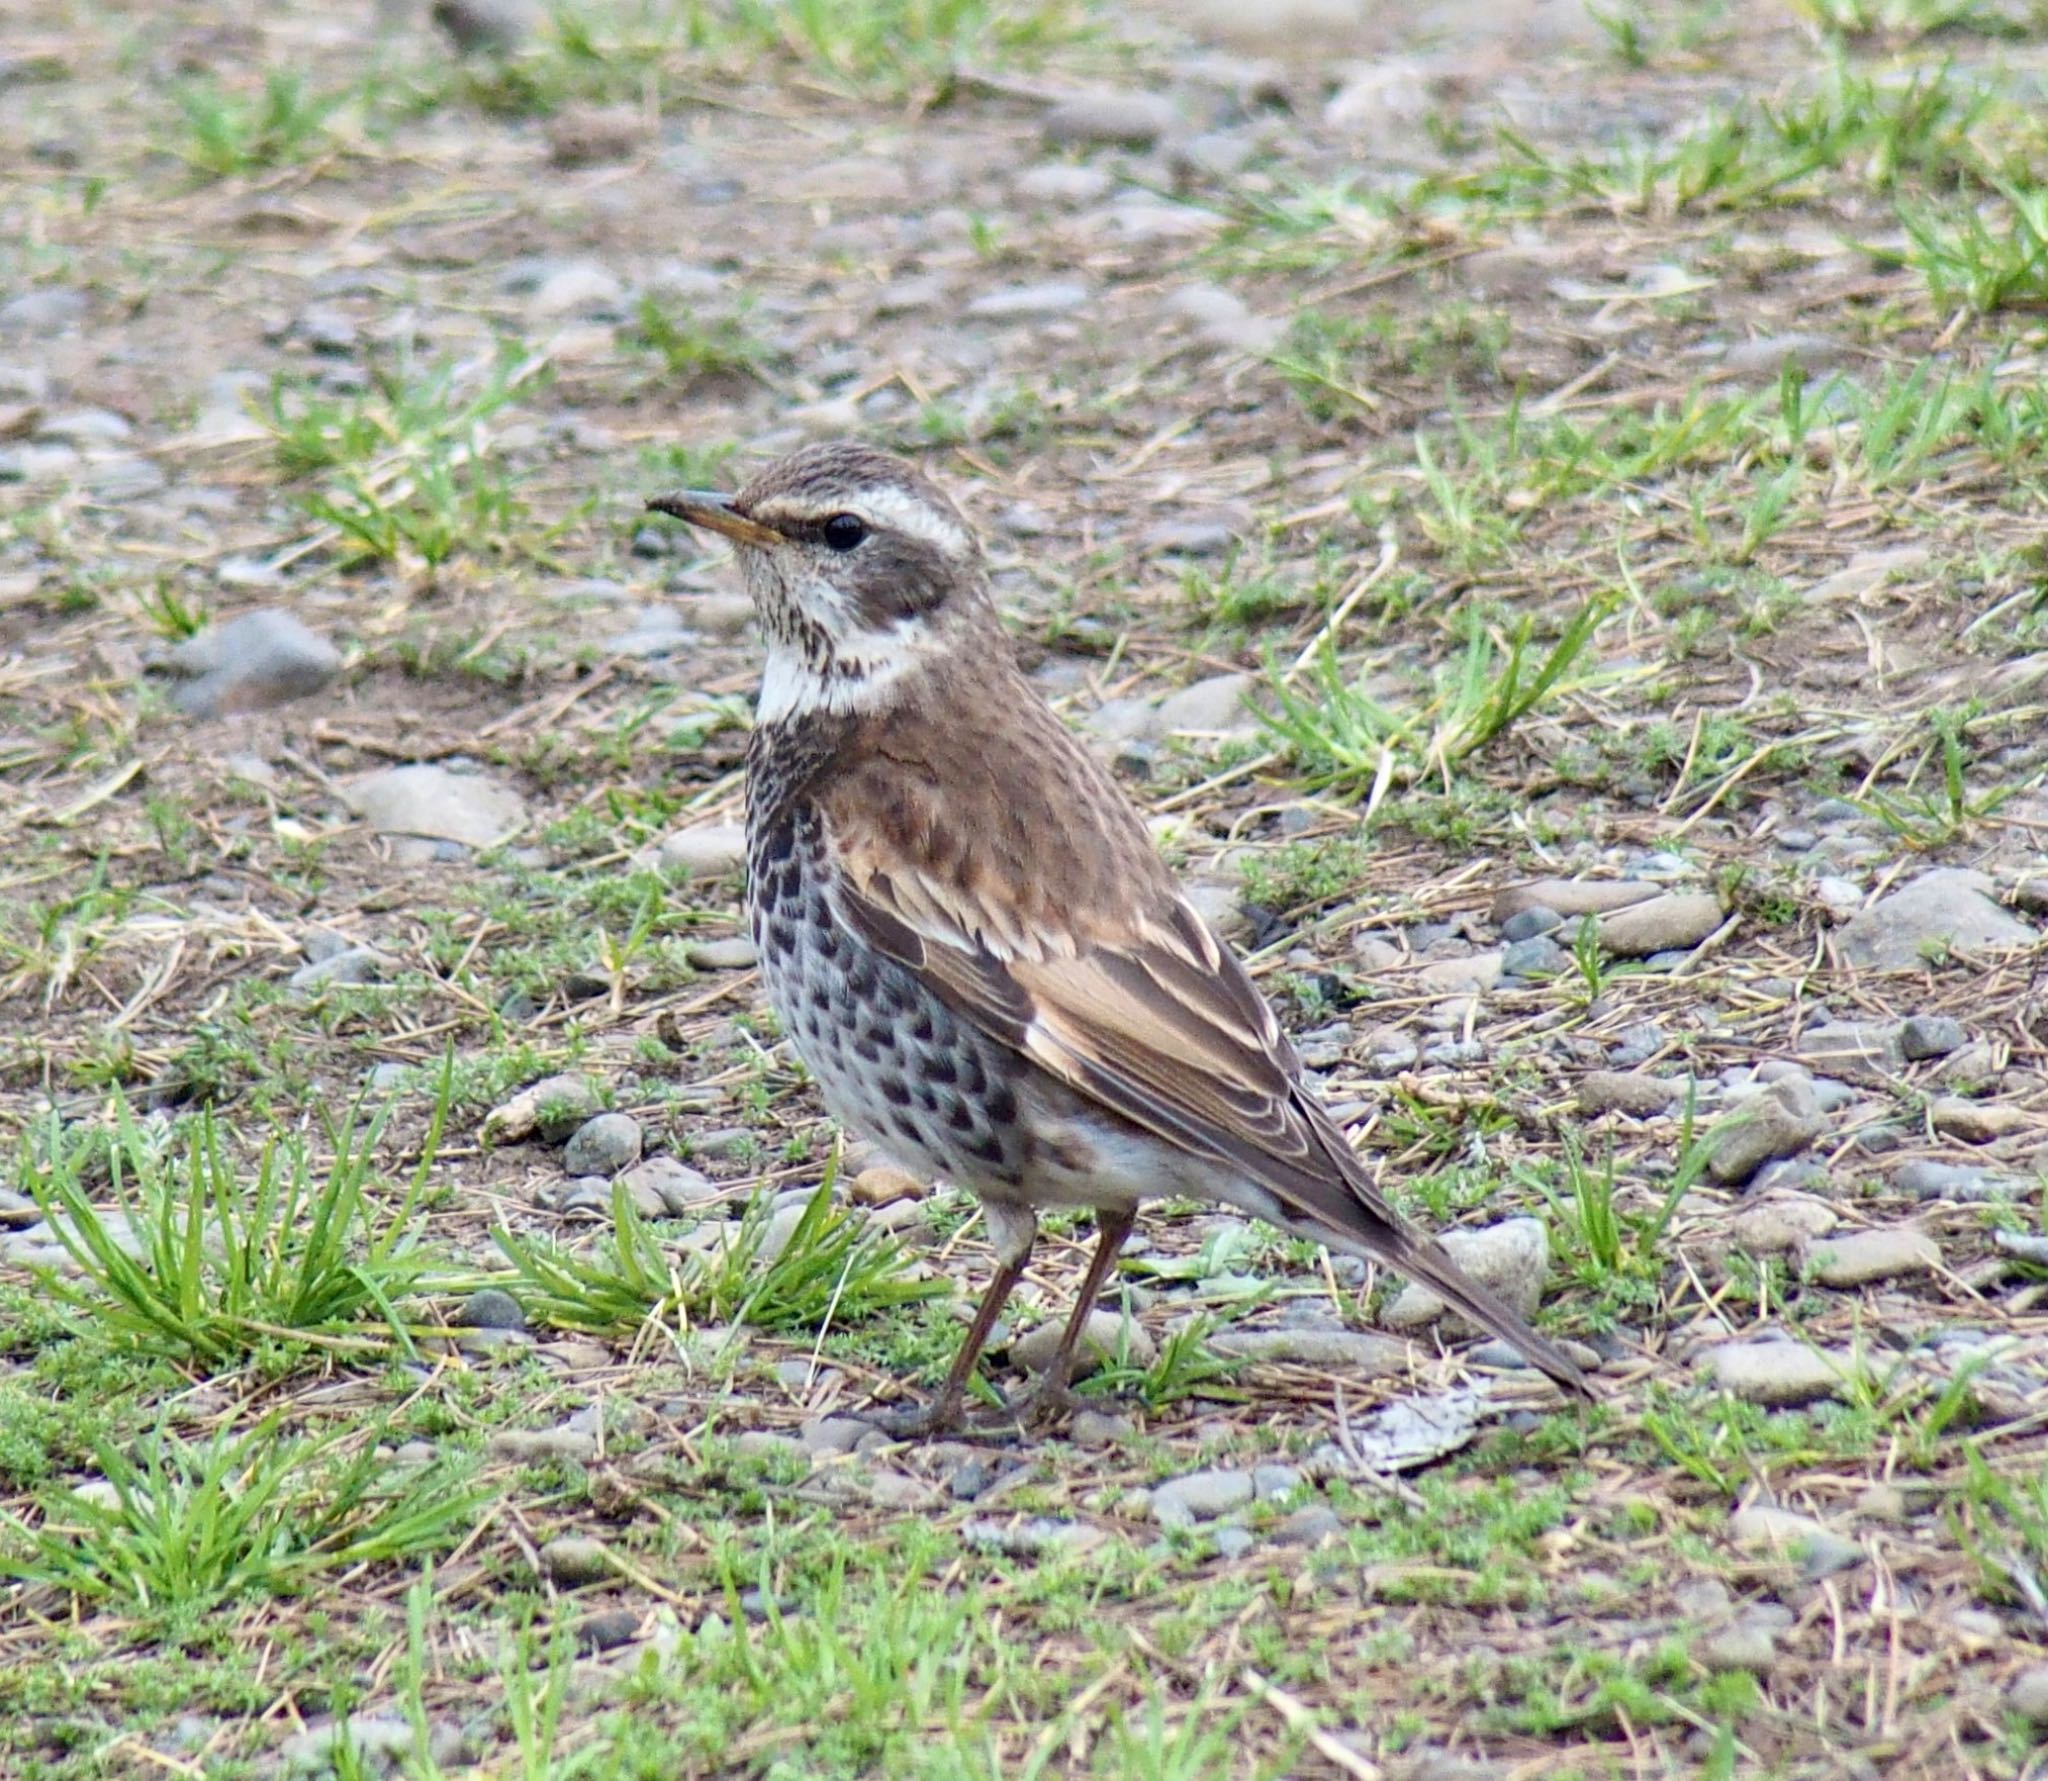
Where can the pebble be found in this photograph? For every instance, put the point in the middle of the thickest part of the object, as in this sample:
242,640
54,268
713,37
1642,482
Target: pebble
1569,898
1925,1179
438,803
711,851
1212,706
1663,924
1976,1122
1864,1256
1100,1340
1747,1645
1233,1542
1060,182
675,1189
1944,910
489,1308
883,1185
1129,119
1527,924
1780,1530
1768,356
1464,976
1772,1226
356,965
574,1560
375,1743
834,1434
552,1107
258,660
486,27
1039,1536
1777,1374
1762,1130
1930,1035
1537,957
736,954
1512,1257
1310,1525
1099,1428
50,310
583,289
1200,1496
1861,1051
1627,1091
607,1629
1270,1482
603,1146
1359,1354
1029,302
527,1446
2027,1694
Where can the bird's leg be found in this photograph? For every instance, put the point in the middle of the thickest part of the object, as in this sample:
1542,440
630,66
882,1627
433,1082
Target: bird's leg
1050,1394
1014,1230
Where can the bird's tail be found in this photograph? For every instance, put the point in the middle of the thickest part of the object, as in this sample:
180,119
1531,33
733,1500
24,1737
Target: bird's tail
1422,1258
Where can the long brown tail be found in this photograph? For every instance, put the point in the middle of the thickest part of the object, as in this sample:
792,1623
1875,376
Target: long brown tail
1421,1258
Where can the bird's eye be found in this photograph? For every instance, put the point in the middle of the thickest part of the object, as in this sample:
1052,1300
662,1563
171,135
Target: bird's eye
844,531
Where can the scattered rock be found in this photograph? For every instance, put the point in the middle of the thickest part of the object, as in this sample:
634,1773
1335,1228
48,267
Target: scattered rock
1746,1645
1777,1374
552,1107
583,289
1930,1035
603,1146
1060,182
711,851
485,27
1038,1536
1767,357
1537,957
1464,976
1863,1256
489,1308
1200,1496
1569,898
1627,1091
2027,1694
574,1560
1129,119
1029,302
1977,1122
607,1629
1310,1525
591,135
376,1744
674,1189
1212,706
528,1446
736,954
1861,1051
437,803
1941,911
1358,1354
1099,1428
1664,924
258,660
1925,1179
1530,923
1761,1130
1784,1222
1779,1530
355,965
1101,1337
1511,1257
885,1186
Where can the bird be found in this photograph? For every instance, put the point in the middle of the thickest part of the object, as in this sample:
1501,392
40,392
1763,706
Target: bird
970,939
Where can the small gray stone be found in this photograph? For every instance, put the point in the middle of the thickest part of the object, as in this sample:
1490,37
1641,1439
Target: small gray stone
51,310
1763,1129
736,954
260,659
560,1105
1664,924
1776,1373
1038,1536
1821,1552
1233,1542
528,1446
2027,1694
1537,957
1208,706
574,1560
1061,182
1100,1339
710,851
1131,119
1942,910
1864,1256
1310,1525
1569,898
1788,1221
1527,923
1768,357
1512,1257
1746,1645
603,1146
834,1434
491,1309
86,427
438,803
486,27
375,1743
1627,1091
1865,1051
1030,302
1098,1428
355,965
1271,1482
1200,1496
677,1189
1925,1179
582,289
1356,1353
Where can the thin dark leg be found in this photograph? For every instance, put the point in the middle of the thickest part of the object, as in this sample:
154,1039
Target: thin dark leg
944,1410
1050,1393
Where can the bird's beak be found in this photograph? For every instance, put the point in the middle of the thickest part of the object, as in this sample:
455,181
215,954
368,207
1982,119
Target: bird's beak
714,512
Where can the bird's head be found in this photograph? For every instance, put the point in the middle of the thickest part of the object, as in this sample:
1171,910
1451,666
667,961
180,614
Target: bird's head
860,569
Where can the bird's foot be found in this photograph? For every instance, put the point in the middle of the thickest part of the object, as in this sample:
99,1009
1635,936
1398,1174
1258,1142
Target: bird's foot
1043,1402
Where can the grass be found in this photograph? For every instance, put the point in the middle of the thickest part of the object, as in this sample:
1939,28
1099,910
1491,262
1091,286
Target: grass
229,134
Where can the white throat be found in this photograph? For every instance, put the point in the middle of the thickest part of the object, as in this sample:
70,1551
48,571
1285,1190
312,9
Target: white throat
862,672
